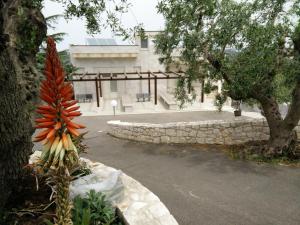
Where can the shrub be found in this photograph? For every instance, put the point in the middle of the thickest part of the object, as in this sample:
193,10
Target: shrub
220,99
93,210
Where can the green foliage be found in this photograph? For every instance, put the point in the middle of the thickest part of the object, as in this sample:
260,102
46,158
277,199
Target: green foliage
25,29
209,87
93,210
33,4
100,15
3,216
78,142
51,20
220,99
249,44
182,92
63,55
81,170
283,86
65,61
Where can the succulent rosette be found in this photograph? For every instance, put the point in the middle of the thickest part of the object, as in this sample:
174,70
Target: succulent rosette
57,114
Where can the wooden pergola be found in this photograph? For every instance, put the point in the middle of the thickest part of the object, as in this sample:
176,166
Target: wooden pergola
98,78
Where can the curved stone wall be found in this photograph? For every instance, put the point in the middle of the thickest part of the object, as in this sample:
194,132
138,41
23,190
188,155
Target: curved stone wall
136,204
237,131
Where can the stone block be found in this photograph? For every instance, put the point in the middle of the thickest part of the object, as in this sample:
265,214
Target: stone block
165,139
171,132
200,140
193,133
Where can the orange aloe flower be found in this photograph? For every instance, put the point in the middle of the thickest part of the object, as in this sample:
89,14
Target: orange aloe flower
57,113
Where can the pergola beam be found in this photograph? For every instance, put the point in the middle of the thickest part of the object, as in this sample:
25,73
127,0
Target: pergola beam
165,74
127,73
83,75
128,78
152,74
139,74
178,74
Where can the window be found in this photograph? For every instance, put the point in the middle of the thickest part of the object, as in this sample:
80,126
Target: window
144,42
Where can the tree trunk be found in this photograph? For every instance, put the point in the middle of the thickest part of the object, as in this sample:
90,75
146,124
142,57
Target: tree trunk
22,29
283,137
282,142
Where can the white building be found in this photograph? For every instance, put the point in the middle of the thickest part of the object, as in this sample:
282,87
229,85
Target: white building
106,56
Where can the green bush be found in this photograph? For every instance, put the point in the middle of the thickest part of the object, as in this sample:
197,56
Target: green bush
93,210
220,99
209,87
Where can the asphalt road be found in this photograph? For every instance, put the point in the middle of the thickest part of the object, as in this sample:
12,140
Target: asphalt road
200,185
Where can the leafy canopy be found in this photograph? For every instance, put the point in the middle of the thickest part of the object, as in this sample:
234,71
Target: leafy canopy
100,14
249,44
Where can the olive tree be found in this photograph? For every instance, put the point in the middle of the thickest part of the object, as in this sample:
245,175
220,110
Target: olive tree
252,46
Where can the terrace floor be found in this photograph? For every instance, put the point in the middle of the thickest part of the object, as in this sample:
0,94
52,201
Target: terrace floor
91,109
178,117
200,185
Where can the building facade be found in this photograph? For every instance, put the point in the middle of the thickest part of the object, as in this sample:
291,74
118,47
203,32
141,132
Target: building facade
106,56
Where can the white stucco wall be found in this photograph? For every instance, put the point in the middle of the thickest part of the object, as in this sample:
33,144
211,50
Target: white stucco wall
119,59
137,58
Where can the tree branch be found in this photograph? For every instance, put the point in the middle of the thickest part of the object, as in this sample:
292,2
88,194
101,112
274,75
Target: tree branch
293,116
218,66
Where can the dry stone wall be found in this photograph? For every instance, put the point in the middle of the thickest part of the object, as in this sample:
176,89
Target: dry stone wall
237,131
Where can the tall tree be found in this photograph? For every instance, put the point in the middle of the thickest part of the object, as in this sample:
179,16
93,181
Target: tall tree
22,30
253,46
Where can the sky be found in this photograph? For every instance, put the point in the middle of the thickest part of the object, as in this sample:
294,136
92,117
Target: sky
142,11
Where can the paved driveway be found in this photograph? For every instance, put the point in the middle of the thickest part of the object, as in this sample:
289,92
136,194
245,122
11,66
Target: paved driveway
200,185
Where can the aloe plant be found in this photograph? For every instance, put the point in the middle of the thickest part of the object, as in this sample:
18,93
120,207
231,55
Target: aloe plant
59,154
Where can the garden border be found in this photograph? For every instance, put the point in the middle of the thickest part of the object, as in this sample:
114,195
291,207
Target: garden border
138,205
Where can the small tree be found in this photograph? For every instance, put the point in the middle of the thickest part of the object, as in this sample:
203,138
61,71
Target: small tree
59,153
254,46
220,100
